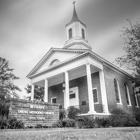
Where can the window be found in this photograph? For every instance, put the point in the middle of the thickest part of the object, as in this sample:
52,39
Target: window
135,98
83,33
72,96
127,94
53,100
95,95
54,62
84,103
70,33
117,91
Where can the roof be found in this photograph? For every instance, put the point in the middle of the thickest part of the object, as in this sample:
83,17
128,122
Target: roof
48,54
82,53
75,17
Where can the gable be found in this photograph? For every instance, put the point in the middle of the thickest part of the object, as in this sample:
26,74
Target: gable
56,58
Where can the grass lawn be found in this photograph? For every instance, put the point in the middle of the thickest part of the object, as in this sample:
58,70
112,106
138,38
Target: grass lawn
132,133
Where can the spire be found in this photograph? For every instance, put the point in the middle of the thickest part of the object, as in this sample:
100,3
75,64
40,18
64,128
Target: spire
75,17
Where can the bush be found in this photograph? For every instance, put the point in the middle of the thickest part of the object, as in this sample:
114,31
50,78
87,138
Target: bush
68,123
4,109
137,117
103,122
64,123
72,112
10,123
86,122
58,124
121,118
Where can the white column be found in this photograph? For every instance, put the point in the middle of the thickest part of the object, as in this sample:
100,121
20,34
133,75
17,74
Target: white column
103,92
46,91
67,100
32,92
90,93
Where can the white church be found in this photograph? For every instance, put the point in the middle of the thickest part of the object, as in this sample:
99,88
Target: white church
75,76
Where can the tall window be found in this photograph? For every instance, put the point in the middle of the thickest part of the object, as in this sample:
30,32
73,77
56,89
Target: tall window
95,95
70,33
83,33
135,98
127,94
117,91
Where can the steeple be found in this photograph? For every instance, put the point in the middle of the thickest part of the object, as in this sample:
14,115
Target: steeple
74,17
76,33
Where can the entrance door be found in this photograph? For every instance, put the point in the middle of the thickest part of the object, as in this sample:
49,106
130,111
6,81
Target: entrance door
73,97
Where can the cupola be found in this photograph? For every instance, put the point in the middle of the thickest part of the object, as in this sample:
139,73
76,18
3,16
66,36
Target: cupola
76,33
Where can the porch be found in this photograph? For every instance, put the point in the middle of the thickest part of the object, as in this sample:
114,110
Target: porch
74,87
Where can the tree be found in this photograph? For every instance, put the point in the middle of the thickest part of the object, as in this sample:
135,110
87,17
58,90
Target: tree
39,92
7,87
132,48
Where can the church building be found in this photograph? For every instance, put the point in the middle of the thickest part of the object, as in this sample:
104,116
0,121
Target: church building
76,76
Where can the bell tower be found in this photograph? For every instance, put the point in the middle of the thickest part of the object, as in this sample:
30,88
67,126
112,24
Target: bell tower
76,33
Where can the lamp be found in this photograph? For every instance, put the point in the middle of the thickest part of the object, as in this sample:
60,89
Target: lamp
63,81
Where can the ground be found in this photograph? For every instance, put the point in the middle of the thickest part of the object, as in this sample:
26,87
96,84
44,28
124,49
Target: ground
73,134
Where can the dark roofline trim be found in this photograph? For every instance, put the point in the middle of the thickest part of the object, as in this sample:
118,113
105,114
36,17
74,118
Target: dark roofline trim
47,55
80,56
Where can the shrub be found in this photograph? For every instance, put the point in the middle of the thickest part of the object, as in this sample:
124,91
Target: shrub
103,122
68,123
39,126
86,122
10,123
121,118
58,124
4,109
72,112
137,117
64,123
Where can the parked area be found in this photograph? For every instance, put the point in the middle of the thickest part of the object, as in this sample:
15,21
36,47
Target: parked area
130,133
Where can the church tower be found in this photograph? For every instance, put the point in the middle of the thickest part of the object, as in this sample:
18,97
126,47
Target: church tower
76,33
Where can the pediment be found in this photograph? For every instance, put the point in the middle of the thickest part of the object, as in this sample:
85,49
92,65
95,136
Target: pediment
54,57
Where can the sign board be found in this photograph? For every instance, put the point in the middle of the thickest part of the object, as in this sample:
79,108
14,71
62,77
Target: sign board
34,112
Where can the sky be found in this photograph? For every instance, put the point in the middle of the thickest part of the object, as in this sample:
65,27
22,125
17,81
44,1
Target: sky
29,28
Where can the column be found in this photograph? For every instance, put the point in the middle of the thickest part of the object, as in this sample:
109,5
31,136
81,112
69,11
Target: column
32,92
67,100
46,91
103,92
90,93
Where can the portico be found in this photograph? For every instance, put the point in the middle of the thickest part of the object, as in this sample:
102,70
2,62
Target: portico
82,66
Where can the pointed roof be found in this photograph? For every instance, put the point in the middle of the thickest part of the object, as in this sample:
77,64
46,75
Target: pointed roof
75,16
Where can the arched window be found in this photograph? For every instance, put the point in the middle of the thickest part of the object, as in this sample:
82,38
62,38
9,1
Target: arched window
117,91
83,33
54,62
127,94
135,98
70,33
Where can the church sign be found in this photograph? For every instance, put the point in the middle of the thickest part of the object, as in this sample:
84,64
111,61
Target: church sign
32,113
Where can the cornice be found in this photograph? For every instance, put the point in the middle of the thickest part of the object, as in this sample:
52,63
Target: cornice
79,43
86,53
75,21
59,65
48,54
